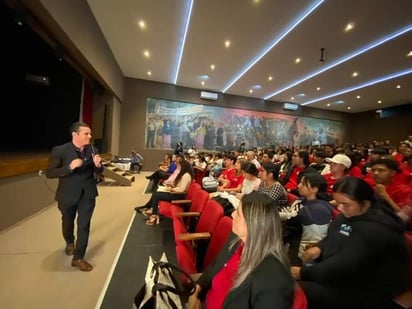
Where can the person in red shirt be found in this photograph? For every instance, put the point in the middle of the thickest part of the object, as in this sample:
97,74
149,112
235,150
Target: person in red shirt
228,172
339,167
252,269
406,167
300,165
389,187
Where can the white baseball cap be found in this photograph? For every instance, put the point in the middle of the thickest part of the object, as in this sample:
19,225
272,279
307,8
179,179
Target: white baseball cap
340,159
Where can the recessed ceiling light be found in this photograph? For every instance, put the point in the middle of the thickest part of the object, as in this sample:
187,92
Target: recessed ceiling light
328,104
227,43
212,67
356,53
203,82
317,88
142,24
146,53
354,74
292,98
379,101
149,73
250,90
398,86
297,60
270,77
349,27
358,96
409,54
348,107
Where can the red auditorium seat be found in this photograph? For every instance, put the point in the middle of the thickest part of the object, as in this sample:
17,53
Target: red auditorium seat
291,198
186,254
198,241
165,207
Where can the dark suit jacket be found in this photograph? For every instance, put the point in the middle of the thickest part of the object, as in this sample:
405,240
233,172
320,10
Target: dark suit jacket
270,285
73,183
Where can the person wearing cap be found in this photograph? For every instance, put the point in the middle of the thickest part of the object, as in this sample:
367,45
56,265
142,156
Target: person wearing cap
339,167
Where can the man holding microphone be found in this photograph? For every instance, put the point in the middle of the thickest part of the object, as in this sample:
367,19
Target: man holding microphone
77,164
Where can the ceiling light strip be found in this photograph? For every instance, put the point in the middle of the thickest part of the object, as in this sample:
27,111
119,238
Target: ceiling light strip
364,85
273,44
344,59
180,53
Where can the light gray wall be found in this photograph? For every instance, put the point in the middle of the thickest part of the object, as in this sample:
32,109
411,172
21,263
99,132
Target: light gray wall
23,196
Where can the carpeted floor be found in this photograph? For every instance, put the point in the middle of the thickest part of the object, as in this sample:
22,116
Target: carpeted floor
141,242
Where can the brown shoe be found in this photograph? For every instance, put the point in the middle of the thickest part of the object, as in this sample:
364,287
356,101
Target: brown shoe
69,249
82,265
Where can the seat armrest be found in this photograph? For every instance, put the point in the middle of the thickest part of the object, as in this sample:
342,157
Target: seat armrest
180,201
194,236
188,214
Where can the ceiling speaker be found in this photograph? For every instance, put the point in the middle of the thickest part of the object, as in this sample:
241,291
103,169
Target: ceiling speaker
208,95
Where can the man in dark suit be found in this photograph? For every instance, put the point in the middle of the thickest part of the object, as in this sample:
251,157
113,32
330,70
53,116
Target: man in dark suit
76,164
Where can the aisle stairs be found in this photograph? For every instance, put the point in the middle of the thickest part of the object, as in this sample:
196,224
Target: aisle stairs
119,175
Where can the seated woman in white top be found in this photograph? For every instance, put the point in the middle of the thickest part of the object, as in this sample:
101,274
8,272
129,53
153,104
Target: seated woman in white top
174,192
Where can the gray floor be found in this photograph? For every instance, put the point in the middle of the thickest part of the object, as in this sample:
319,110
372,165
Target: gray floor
35,272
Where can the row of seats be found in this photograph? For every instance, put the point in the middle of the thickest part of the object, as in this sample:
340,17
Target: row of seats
200,230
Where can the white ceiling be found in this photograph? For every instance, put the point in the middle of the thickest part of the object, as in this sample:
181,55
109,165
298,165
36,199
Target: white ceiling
262,26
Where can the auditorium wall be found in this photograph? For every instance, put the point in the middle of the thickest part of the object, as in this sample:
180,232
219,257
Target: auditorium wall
133,116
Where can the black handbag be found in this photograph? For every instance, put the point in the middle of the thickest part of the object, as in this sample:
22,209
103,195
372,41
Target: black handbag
171,288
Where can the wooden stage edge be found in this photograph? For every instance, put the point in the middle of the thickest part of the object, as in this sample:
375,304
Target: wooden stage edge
20,163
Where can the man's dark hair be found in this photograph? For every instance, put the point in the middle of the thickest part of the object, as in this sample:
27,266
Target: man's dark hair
390,163
75,127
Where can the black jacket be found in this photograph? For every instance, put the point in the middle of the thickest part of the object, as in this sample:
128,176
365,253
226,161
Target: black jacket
73,183
364,258
270,285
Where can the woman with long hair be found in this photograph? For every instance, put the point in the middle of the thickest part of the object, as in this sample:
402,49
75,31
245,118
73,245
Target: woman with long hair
174,192
252,269
362,261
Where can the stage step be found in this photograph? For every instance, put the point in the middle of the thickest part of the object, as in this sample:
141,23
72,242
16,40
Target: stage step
121,176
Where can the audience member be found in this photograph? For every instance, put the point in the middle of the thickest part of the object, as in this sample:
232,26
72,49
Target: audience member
339,167
251,270
174,192
300,165
362,261
270,184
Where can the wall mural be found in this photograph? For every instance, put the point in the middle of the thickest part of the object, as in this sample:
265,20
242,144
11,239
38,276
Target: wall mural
217,128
